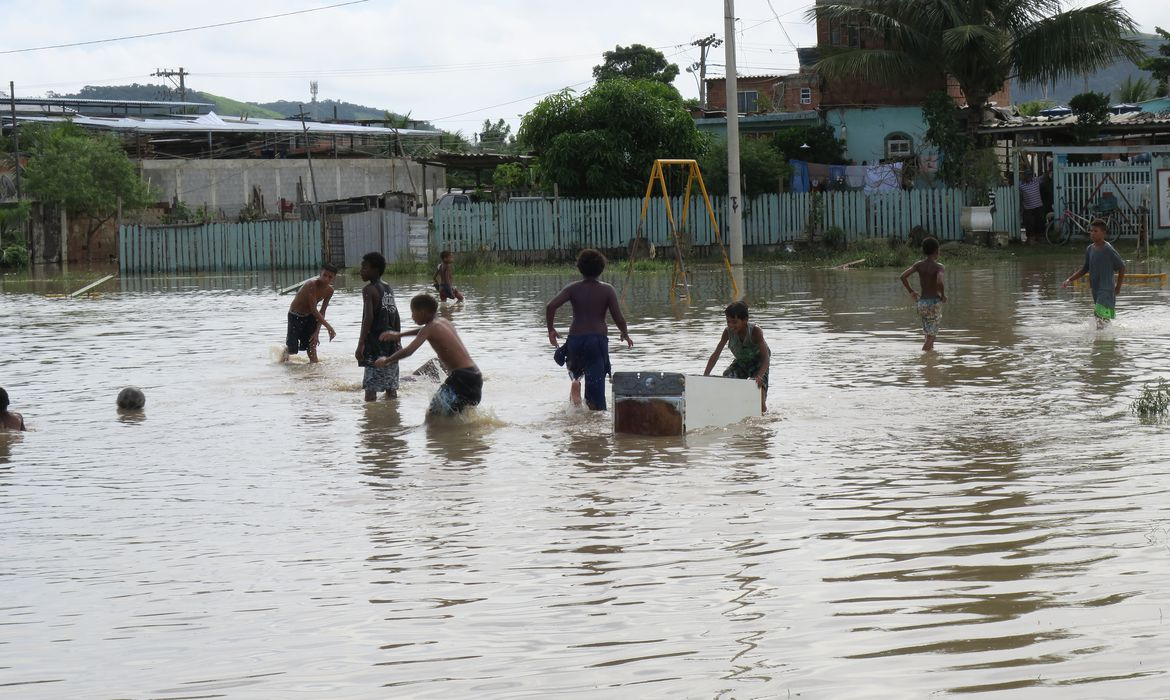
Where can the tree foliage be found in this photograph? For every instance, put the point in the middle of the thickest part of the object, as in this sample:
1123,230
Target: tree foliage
823,144
1092,110
1133,90
604,142
1159,66
85,174
636,62
761,166
496,136
1033,108
980,44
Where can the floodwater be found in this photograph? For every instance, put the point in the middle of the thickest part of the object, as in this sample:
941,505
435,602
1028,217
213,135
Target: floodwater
985,520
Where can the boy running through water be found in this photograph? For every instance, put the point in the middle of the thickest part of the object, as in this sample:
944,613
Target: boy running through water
751,351
379,314
305,319
930,280
587,347
464,385
1101,261
444,274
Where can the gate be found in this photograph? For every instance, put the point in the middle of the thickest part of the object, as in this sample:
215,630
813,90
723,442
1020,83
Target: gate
1123,185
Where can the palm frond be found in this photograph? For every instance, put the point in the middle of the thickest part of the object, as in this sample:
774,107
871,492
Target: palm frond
1075,42
876,65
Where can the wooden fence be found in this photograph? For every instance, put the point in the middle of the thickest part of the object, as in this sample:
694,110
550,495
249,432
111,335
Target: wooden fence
772,219
385,231
259,245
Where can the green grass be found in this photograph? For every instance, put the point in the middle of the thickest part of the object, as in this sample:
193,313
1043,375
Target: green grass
1153,402
229,107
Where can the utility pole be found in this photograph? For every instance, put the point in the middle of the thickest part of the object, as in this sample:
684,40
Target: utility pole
309,155
15,137
705,44
180,74
734,217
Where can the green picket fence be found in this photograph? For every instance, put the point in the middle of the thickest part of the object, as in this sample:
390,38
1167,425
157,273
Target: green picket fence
772,219
257,245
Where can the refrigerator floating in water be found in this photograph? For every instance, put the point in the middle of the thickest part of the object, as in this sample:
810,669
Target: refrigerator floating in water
670,403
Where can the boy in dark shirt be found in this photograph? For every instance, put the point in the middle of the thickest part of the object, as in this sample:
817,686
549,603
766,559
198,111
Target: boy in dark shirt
379,314
464,385
587,347
930,280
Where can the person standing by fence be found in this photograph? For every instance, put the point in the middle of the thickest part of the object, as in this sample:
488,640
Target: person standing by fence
1032,205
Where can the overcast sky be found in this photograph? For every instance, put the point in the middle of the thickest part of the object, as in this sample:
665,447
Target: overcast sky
452,63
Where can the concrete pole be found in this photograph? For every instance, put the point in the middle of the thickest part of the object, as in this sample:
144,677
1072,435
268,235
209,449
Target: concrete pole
15,138
735,220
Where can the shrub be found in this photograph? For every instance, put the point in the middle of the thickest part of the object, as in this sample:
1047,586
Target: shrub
1153,402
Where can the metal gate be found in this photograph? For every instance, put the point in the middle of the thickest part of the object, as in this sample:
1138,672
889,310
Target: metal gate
1122,186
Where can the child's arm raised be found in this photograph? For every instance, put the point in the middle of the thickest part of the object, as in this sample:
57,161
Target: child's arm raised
715,355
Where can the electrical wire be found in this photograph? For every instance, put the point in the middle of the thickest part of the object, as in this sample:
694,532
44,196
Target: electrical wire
180,31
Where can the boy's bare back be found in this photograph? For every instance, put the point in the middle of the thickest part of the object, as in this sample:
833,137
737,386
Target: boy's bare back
445,341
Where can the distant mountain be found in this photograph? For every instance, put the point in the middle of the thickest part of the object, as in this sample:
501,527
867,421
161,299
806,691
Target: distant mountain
283,109
1106,81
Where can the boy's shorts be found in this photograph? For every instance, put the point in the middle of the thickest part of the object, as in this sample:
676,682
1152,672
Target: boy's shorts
930,311
1105,312
463,389
380,378
300,332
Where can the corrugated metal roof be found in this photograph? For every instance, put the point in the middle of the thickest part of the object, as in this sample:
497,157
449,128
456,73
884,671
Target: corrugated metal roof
211,122
1045,123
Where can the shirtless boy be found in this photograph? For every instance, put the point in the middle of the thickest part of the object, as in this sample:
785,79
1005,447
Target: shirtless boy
444,276
305,319
587,347
464,385
930,280
8,419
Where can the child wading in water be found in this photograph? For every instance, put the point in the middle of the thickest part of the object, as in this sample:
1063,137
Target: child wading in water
8,419
933,296
751,351
464,385
305,319
379,314
1101,261
444,274
586,350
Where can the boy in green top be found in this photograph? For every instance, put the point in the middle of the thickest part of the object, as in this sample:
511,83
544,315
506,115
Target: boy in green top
751,351
1101,261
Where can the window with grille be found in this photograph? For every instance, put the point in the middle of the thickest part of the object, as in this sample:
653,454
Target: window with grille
747,101
806,96
898,146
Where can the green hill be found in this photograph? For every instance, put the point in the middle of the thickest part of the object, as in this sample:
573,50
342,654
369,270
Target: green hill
1106,81
228,106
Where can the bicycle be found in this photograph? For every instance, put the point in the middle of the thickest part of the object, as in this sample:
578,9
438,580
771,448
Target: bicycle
1059,229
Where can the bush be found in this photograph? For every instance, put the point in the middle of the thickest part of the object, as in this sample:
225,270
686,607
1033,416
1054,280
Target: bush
834,238
14,255
1153,401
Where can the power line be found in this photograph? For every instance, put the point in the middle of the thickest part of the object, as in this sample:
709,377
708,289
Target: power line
180,31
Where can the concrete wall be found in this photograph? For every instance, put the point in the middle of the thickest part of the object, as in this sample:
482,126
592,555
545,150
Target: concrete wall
865,130
226,185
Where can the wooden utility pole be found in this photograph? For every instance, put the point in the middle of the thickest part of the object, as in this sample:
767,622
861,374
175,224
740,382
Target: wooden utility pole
15,137
180,74
705,44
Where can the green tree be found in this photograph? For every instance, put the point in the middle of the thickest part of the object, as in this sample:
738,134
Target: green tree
980,44
761,166
1092,110
1033,108
1134,90
604,142
86,174
637,62
13,248
1159,66
823,144
496,136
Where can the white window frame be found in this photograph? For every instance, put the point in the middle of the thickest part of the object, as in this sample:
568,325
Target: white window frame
903,143
806,96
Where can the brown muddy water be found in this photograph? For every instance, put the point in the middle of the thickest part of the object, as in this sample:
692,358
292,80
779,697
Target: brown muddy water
986,520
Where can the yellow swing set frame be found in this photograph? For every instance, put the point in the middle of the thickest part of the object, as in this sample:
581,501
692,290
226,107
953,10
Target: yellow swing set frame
680,284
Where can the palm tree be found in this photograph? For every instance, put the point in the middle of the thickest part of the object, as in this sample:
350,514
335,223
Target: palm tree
1133,90
979,43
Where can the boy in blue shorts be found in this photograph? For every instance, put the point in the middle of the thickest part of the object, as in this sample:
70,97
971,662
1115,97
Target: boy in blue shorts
930,281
